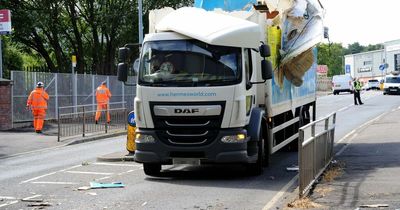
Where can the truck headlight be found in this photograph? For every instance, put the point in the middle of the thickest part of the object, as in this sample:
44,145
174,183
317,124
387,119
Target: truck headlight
239,138
143,138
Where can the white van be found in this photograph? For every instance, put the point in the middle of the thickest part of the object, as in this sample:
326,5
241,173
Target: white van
392,84
342,83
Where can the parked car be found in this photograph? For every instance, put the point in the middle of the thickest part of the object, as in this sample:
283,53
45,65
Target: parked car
392,84
372,84
342,83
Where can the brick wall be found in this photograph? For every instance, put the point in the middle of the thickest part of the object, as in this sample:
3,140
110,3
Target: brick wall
5,105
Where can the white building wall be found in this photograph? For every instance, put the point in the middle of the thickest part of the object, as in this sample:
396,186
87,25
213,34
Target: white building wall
392,51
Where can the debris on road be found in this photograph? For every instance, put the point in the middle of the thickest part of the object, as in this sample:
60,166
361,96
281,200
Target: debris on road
91,193
374,206
39,204
143,204
97,185
293,168
84,188
303,203
85,163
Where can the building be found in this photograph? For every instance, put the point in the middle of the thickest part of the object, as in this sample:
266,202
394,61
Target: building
374,64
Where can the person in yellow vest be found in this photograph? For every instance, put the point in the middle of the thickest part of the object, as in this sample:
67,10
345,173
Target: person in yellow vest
37,102
103,96
357,90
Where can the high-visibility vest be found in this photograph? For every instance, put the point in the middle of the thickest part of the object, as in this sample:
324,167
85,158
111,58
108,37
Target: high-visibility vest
357,85
38,99
103,94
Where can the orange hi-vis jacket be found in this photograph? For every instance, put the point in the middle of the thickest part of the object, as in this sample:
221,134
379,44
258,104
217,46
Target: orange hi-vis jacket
103,95
38,99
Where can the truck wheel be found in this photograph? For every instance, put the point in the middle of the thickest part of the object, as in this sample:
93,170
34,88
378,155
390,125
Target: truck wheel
257,167
152,169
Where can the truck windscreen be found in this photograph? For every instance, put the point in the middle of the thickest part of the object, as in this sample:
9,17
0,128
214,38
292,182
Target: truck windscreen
187,63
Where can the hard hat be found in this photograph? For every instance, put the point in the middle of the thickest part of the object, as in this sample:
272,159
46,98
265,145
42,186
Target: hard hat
104,83
40,84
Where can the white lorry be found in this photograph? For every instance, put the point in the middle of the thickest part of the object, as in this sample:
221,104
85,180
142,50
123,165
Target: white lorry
206,94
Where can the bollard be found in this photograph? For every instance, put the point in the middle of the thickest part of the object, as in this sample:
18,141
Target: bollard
131,135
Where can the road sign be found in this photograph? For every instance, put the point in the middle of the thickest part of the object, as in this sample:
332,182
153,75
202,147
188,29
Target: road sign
131,119
74,61
347,67
382,67
5,21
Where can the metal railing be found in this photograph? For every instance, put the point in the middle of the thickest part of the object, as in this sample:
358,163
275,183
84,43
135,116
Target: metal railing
80,120
316,142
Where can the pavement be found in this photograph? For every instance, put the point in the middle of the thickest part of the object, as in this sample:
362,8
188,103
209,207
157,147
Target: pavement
366,174
24,140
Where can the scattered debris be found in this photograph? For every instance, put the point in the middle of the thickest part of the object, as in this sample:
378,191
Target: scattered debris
84,188
334,171
96,185
303,203
374,206
85,163
39,204
293,168
145,203
91,193
323,191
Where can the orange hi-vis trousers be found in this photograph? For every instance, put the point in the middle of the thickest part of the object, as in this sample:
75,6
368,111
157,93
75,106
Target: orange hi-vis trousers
38,118
101,108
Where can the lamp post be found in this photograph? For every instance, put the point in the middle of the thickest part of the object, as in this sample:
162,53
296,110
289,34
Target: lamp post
140,11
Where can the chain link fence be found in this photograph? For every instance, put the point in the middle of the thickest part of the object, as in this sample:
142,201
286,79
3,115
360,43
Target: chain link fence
65,90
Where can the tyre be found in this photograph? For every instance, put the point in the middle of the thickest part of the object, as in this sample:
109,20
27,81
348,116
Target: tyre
152,169
256,168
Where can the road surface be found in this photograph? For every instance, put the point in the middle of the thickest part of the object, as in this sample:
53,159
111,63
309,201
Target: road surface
56,175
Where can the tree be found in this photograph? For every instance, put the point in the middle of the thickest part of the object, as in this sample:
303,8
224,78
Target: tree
90,29
332,56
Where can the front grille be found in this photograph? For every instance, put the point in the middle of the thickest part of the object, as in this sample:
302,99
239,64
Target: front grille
187,130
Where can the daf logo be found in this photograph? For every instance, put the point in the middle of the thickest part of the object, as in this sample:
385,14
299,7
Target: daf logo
186,111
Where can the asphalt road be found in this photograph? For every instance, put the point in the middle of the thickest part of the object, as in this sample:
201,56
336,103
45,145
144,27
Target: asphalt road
55,176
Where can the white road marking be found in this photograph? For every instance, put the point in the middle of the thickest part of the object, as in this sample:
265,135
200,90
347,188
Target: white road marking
278,196
126,172
8,203
102,178
49,174
88,172
8,198
116,164
63,183
31,197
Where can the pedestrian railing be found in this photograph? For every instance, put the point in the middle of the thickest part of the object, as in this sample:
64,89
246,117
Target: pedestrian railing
316,141
80,120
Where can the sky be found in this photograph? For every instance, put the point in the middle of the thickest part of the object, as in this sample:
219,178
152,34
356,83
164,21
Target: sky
363,21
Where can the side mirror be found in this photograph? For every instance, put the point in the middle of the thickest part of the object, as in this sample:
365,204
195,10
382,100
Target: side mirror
265,51
122,54
122,72
266,69
136,65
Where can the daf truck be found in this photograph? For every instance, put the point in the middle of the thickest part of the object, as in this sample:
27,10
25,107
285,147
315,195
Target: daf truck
207,94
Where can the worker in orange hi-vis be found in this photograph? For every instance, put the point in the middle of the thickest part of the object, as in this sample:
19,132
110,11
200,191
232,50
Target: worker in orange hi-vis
103,96
37,102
